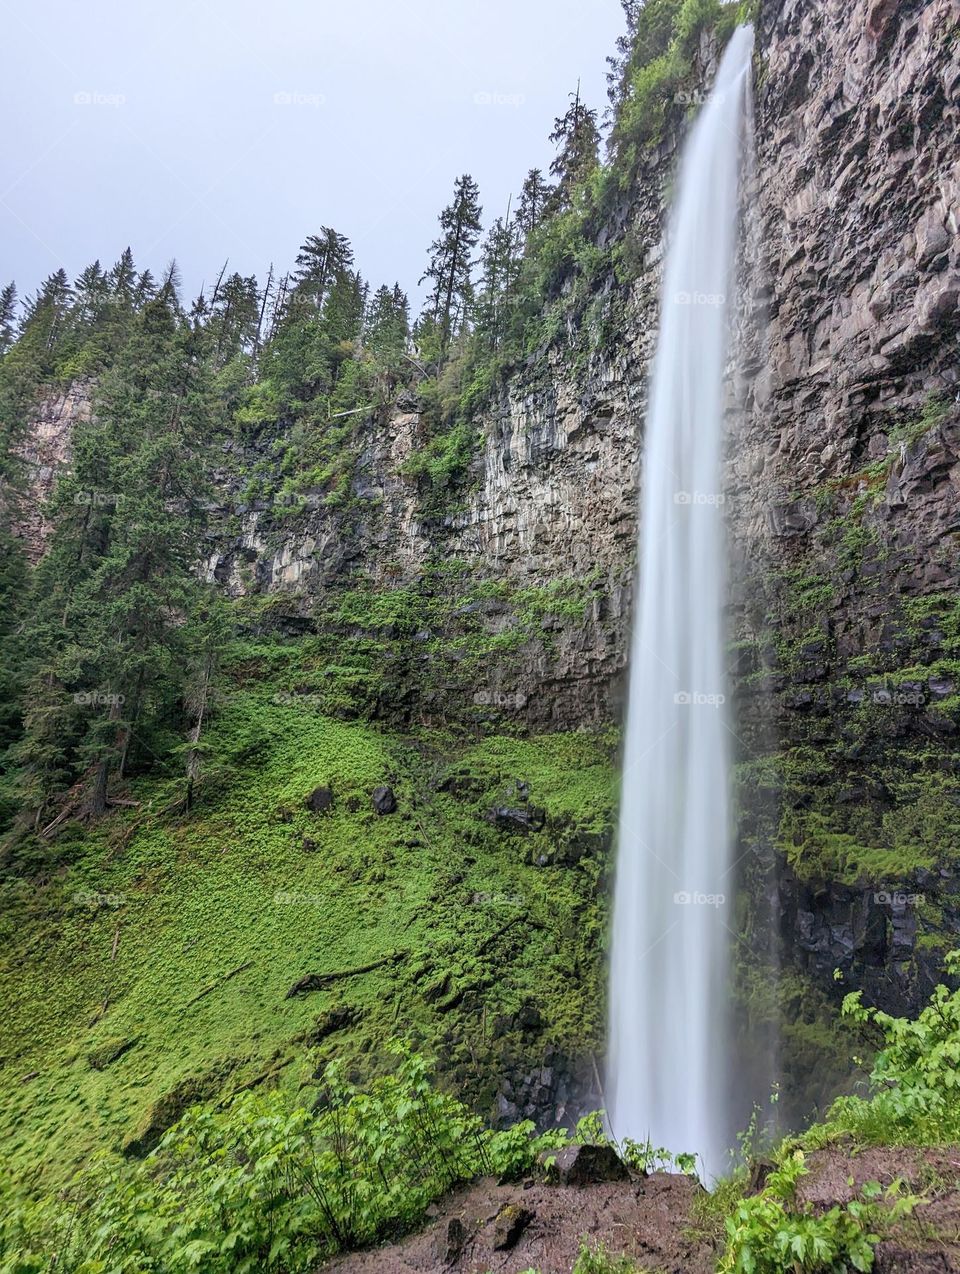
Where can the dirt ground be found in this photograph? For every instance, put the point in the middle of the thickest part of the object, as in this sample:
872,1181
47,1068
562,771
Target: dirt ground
928,1242
651,1220
646,1219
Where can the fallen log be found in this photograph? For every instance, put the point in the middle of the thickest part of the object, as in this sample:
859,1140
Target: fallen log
317,981
219,982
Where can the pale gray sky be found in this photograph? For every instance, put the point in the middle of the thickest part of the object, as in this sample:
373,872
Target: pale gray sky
206,129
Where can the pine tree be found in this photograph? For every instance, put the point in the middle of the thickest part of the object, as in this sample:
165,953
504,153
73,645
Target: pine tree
500,261
8,317
320,259
118,585
233,321
534,200
578,141
451,260
387,326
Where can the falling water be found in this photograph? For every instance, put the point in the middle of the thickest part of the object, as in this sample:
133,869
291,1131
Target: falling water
667,1072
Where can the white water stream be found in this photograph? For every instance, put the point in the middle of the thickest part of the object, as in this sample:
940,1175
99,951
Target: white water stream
669,1049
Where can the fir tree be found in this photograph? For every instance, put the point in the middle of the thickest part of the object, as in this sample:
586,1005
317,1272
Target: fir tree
451,260
534,200
320,259
234,318
578,141
499,263
387,327
8,317
109,633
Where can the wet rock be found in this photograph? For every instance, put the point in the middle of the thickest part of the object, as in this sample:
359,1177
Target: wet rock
530,1018
511,1222
320,800
583,1165
523,820
384,801
450,1241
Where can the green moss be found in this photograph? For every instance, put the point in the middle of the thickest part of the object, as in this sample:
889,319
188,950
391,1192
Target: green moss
208,921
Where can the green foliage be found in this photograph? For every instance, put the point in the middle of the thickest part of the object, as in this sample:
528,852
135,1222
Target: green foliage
915,1078
264,1184
442,464
913,1101
595,1259
771,1233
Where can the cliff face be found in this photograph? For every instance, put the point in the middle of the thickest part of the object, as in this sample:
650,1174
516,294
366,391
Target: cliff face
844,476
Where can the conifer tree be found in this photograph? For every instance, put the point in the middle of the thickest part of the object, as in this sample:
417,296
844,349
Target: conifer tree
534,199
499,262
387,326
234,317
119,583
451,260
320,259
8,317
578,141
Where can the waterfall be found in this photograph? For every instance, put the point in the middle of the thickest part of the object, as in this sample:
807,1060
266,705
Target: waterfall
669,1037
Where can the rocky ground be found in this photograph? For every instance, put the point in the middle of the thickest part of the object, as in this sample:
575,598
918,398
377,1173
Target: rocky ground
655,1221
928,1242
514,1228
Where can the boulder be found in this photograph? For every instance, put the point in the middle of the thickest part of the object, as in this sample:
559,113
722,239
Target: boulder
320,800
384,801
523,820
582,1165
450,1241
512,1220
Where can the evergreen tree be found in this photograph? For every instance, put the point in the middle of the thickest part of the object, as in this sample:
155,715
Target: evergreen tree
344,308
578,141
205,641
451,260
234,318
387,327
8,317
48,310
123,277
500,261
144,290
534,200
109,631
320,260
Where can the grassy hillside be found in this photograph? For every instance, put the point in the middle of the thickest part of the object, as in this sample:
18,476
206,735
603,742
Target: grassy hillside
148,963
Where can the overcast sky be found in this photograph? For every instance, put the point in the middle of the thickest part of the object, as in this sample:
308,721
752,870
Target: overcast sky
213,129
